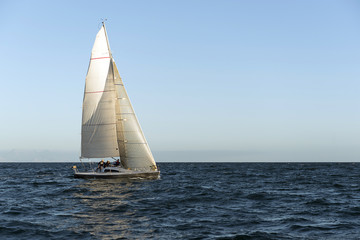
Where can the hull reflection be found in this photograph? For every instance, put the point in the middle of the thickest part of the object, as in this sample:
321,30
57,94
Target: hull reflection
111,209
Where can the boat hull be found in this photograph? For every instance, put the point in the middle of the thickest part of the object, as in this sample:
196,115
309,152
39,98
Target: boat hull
125,175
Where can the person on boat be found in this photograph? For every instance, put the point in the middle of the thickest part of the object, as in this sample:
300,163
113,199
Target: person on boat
101,165
117,163
107,164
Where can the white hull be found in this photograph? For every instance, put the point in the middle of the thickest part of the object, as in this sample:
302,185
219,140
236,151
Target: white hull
128,174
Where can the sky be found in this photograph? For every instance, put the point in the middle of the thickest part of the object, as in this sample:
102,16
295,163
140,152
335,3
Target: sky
258,80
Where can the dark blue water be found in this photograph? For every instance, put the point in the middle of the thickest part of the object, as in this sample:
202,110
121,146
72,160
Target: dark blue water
190,201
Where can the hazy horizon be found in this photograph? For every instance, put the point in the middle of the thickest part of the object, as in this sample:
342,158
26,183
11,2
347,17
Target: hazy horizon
187,156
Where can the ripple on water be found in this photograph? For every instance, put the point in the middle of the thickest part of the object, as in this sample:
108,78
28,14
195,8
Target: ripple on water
190,201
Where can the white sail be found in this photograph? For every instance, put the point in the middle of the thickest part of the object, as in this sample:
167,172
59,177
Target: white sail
98,137
134,149
109,125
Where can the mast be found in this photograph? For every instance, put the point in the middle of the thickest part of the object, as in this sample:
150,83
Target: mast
118,118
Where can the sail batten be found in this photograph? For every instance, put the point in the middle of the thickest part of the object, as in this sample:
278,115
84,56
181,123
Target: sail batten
110,127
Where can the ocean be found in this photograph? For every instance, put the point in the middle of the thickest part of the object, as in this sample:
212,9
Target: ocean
190,201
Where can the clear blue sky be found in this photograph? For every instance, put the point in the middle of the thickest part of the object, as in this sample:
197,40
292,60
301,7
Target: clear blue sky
247,76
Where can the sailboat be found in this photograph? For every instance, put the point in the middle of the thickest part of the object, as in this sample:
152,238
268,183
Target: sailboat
110,128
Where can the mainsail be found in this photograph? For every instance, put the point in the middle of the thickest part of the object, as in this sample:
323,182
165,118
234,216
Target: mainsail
109,125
